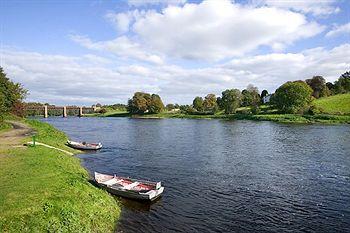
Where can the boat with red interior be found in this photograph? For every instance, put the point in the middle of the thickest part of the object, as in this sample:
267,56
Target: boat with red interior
129,188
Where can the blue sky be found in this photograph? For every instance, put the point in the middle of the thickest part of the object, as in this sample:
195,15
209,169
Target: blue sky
82,52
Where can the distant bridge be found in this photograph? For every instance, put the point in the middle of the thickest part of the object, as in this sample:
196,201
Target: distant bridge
44,110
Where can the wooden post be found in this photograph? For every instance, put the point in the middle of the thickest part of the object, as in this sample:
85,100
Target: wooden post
64,111
45,111
80,111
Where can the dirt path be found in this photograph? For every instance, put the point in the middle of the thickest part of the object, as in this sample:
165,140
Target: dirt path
14,137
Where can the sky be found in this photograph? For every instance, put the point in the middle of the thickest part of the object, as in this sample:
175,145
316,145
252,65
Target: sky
100,51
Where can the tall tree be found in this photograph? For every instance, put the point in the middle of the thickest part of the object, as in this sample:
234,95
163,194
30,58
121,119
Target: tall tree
318,85
342,85
156,105
12,94
209,103
139,103
198,104
292,97
231,100
250,96
170,107
264,93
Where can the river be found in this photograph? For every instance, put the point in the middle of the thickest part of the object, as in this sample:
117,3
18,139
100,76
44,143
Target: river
225,176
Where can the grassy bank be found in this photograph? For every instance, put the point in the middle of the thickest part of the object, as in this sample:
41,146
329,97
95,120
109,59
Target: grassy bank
43,190
4,126
282,118
337,104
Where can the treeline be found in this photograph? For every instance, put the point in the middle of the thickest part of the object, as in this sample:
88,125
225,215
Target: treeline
291,97
11,96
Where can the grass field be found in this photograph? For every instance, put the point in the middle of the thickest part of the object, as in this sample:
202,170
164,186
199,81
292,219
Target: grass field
44,190
337,104
4,126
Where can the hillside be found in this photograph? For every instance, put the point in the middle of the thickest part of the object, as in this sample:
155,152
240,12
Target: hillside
337,104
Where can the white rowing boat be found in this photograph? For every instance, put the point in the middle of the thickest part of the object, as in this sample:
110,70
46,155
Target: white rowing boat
129,188
84,145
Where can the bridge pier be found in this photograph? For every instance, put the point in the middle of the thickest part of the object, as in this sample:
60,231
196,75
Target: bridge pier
45,112
64,111
80,111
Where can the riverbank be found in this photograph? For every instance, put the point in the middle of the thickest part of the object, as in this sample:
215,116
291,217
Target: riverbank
282,118
47,190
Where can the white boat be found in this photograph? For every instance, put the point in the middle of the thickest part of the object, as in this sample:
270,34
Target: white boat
84,145
129,188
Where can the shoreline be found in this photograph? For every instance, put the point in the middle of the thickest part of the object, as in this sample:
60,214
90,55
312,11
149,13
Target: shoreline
280,118
48,190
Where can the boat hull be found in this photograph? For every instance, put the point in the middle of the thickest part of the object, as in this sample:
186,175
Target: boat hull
131,194
142,190
80,146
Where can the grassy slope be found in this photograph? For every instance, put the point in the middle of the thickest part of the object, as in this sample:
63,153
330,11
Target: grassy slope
335,104
4,126
46,190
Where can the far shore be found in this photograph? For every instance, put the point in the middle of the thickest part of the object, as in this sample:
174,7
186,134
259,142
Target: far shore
282,118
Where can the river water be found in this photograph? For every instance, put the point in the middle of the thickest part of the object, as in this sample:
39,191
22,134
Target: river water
225,176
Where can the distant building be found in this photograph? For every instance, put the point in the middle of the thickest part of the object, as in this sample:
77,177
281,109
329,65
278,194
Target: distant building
266,99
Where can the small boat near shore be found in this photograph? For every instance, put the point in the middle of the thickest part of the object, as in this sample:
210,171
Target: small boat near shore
84,145
129,188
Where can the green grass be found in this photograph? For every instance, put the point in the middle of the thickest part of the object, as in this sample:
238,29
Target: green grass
43,190
337,104
4,126
109,113
294,118
282,118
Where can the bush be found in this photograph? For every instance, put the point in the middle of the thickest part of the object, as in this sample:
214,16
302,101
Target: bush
314,110
102,111
292,97
255,109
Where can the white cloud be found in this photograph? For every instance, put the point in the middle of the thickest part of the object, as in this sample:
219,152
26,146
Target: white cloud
120,20
121,46
315,7
138,3
214,30
77,80
338,30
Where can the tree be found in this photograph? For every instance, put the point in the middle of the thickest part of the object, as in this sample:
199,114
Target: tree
139,103
209,103
342,85
318,85
2,106
144,102
170,107
12,94
291,97
231,100
198,104
156,105
264,93
250,96
220,103
330,87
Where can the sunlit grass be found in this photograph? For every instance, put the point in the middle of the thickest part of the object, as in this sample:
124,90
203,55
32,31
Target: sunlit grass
44,190
337,104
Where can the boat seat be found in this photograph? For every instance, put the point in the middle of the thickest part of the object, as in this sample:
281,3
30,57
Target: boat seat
111,182
132,185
